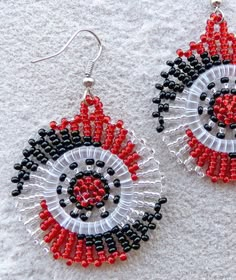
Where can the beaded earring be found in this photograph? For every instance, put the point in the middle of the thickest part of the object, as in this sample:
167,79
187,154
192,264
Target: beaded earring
199,92
87,186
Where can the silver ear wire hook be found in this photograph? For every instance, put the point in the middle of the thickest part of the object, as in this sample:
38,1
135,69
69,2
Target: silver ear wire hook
91,62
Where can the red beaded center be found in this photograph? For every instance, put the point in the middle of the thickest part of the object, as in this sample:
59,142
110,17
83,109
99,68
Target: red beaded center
225,108
89,191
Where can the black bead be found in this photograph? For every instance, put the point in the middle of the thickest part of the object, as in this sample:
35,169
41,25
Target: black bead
44,160
178,60
171,85
26,153
89,161
233,126
156,114
116,199
125,228
20,186
233,91
207,127
203,96
214,118
137,239
78,206
172,71
79,175
112,250
144,230
206,60
166,83
212,101
135,246
172,96
97,144
50,132
152,226
74,215
73,199
100,204
217,63
158,216
145,216
32,142
157,207
127,249
100,163
53,137
26,176
21,174
221,124
170,63
87,139
116,183
87,173
189,84
210,111
225,90
166,107
104,214
160,129
164,74
220,135
76,139
29,164
83,217
17,166
232,155
162,200
24,161
62,177
159,86
187,69
115,229
224,80
44,144
62,151
52,152
81,236
107,234
59,189
40,157
156,100
201,70
208,65
160,108
42,132
150,218
110,171
226,61
62,203
73,165
145,237
136,224
15,192
194,62
215,57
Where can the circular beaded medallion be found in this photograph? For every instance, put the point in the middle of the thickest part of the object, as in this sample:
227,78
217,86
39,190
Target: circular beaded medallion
199,92
90,187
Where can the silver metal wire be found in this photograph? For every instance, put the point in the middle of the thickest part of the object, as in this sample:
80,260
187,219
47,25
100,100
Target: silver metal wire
91,62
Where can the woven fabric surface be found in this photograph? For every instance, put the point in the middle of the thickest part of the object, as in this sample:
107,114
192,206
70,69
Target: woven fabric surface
197,237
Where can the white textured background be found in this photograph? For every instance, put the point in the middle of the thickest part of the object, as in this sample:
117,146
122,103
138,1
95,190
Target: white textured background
197,237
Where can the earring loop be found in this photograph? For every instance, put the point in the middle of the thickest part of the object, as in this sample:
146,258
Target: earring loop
91,62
